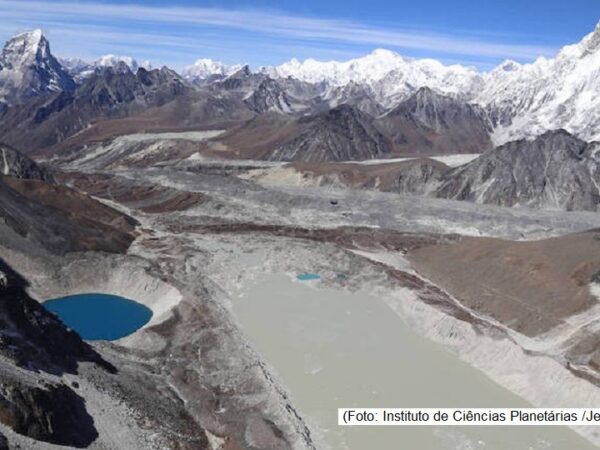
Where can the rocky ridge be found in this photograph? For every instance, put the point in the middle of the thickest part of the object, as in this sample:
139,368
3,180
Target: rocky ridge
554,171
340,134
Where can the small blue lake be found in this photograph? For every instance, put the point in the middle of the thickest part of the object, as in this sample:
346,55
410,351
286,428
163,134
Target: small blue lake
308,276
100,316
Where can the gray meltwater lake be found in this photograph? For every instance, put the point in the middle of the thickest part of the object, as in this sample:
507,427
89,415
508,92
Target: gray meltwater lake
333,348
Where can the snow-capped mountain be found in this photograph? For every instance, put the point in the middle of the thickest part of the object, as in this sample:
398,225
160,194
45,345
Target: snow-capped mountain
115,61
28,68
521,100
80,69
391,77
74,65
204,69
564,92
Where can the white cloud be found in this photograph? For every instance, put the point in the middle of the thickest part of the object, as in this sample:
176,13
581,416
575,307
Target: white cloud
261,23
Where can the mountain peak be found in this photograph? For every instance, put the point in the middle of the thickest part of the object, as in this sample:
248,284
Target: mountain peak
205,68
25,48
34,36
242,72
116,61
385,53
28,68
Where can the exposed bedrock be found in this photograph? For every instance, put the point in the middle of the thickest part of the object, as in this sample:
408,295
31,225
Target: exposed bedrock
53,413
32,338
14,163
340,134
554,171
429,123
35,340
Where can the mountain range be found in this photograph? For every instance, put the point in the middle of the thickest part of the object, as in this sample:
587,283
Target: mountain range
375,107
520,100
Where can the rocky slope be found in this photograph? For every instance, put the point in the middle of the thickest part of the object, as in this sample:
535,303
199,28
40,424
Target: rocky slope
269,96
35,340
57,389
554,171
340,134
431,123
355,94
495,276
47,120
59,219
37,210
51,382
16,164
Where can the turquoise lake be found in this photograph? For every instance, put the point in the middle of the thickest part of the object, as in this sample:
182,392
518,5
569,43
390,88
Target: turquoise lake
100,316
308,276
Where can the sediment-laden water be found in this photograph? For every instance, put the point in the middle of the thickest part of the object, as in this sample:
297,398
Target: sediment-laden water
333,348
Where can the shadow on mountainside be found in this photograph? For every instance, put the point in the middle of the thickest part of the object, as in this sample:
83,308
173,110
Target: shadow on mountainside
35,339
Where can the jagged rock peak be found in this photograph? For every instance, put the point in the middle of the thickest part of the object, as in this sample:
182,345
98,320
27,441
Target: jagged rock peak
25,48
28,68
243,72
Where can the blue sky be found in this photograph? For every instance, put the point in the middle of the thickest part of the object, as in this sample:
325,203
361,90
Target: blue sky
264,32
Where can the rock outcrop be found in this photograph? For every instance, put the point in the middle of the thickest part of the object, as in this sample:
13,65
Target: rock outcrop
32,337
269,96
53,413
554,171
15,164
343,133
36,340
429,123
